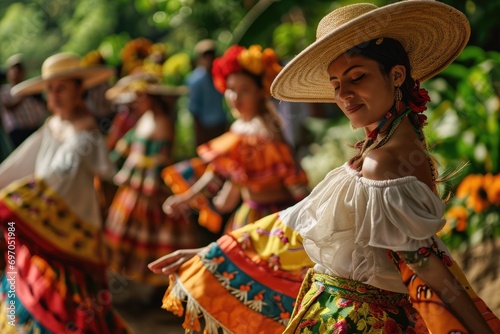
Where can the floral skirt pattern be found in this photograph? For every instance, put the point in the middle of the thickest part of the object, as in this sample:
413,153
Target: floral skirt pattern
328,304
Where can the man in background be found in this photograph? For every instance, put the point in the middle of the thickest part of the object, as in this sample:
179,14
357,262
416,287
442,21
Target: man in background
21,116
205,102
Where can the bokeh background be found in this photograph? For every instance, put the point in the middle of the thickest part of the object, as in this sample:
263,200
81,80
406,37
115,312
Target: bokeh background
463,117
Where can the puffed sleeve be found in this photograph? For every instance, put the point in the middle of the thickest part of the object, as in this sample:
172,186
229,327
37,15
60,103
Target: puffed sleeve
400,215
21,162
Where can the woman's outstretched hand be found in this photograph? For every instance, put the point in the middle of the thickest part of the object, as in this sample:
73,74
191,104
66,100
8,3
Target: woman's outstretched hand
169,263
176,206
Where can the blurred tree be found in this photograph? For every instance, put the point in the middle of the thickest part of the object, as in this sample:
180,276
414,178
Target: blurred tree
42,27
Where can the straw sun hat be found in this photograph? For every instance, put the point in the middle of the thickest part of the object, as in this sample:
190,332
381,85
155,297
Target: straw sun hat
432,33
63,65
124,91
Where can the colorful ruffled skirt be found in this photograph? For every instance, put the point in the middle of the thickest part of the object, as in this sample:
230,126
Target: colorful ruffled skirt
139,232
55,277
244,283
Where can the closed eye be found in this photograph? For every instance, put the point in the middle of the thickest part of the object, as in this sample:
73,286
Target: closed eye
358,78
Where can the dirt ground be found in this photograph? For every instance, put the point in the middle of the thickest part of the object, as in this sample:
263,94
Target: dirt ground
482,267
142,308
151,320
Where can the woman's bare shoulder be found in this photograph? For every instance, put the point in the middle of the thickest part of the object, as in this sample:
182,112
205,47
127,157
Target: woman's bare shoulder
397,161
381,164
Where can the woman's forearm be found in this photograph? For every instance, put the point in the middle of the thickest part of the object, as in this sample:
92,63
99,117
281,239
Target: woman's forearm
199,185
437,277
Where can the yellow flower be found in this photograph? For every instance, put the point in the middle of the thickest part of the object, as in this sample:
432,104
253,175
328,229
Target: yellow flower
493,190
134,53
251,59
473,188
458,214
92,58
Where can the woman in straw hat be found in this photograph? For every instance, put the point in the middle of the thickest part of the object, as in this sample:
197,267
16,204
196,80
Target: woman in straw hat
370,226
137,230
55,280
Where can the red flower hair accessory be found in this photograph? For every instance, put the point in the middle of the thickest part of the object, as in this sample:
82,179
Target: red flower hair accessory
264,64
418,101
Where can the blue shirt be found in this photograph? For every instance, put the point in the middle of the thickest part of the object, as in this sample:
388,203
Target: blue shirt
205,102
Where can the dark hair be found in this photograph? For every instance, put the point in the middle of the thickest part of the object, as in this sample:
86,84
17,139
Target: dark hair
256,78
388,52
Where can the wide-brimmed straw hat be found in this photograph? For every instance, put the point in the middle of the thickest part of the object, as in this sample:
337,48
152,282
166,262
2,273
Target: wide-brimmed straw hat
205,45
63,65
125,89
432,33
15,59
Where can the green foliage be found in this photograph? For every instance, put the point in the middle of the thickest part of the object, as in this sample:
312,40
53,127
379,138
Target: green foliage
88,26
176,68
464,127
464,123
184,146
21,25
111,47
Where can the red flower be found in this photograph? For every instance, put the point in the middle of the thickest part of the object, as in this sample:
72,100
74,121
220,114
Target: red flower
225,65
418,100
447,261
424,251
308,323
340,327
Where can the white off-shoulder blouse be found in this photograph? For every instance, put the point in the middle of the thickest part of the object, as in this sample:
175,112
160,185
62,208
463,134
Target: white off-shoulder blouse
67,165
349,222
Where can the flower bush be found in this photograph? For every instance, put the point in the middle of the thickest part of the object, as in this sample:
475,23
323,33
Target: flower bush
474,213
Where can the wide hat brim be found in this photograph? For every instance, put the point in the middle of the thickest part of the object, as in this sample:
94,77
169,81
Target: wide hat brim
432,33
122,91
90,76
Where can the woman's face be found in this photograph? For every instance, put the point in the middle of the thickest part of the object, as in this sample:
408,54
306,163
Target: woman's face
243,94
362,91
64,95
143,102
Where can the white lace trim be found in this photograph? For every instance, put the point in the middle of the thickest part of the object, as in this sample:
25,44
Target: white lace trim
255,126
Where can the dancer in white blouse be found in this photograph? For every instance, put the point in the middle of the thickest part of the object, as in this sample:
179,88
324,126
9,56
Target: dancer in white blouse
49,211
